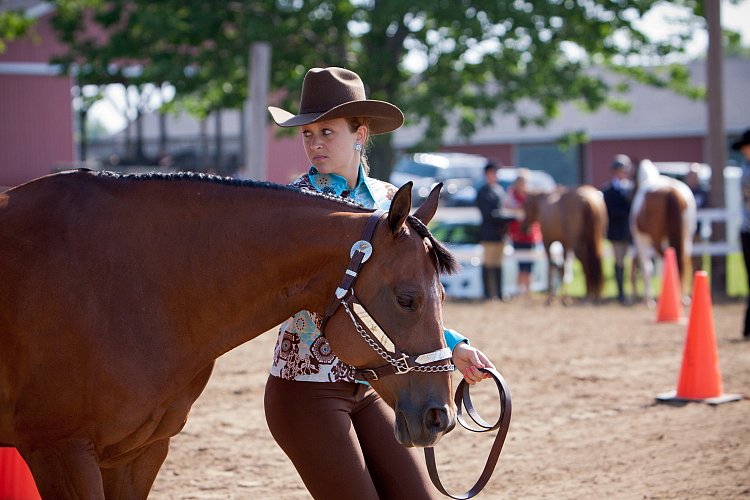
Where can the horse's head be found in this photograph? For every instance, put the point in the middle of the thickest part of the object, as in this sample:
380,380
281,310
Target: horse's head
397,296
646,172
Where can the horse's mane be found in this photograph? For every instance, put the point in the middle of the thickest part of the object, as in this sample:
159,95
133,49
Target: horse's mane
227,181
447,263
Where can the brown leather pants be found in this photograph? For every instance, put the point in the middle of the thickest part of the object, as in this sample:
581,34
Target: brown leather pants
339,436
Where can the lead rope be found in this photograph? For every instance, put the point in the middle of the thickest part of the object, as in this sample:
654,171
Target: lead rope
463,399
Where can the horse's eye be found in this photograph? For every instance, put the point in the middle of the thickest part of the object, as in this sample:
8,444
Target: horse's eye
405,301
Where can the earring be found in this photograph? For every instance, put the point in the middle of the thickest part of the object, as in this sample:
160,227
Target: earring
357,146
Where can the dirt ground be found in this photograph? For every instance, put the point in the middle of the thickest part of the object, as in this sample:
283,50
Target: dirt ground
585,423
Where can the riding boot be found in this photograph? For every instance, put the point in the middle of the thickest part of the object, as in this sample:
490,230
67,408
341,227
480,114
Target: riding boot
487,277
619,277
499,282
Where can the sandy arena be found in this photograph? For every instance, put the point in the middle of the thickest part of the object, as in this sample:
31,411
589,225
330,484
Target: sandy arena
585,425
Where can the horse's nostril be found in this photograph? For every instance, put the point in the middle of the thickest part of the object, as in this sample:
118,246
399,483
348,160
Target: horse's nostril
436,419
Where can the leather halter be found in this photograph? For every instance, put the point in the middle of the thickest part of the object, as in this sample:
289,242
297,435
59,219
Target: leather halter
399,362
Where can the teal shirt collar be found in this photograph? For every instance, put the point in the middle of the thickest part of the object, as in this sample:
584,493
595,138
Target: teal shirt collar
368,192
335,184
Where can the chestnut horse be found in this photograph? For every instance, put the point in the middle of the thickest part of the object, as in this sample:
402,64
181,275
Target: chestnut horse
118,293
663,214
577,218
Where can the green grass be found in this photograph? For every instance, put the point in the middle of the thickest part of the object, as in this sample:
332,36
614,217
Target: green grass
736,278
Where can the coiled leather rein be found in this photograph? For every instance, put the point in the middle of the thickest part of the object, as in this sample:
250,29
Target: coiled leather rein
463,400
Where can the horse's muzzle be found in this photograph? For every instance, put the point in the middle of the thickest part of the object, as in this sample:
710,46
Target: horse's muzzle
423,428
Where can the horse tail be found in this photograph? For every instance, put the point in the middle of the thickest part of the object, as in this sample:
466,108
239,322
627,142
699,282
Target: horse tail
591,242
676,230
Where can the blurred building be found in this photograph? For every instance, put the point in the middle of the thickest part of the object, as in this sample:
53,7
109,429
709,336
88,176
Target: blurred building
36,114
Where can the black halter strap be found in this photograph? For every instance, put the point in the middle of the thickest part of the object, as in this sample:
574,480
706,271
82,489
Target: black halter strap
360,252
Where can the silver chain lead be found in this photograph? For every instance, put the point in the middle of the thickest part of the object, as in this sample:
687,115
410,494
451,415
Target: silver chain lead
400,364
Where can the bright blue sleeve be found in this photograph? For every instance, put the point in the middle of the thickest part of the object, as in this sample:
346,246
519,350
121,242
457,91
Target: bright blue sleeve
452,338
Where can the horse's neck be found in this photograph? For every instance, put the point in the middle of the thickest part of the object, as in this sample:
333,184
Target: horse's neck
244,259
290,253
648,175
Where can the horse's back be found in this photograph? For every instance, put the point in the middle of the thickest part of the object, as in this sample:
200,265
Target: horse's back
42,224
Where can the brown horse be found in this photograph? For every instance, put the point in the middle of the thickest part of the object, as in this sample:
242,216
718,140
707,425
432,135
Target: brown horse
663,214
117,294
578,220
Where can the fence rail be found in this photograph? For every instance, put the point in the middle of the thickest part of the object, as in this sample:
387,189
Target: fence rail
707,217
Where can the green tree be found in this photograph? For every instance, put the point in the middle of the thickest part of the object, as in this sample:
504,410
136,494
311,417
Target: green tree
439,60
13,24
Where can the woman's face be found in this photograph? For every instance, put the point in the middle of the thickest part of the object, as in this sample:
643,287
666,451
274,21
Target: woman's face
329,146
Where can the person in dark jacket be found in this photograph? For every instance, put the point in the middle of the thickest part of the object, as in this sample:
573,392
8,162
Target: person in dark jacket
492,231
618,196
743,146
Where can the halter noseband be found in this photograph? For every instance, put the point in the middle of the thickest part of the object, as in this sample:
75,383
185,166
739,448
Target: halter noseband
399,362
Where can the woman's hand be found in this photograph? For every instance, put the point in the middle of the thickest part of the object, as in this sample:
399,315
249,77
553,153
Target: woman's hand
469,360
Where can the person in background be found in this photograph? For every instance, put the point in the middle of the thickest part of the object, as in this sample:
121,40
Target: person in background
699,191
523,237
618,196
743,146
337,432
490,200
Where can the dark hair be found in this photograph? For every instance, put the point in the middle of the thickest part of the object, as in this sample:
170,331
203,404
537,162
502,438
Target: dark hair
491,165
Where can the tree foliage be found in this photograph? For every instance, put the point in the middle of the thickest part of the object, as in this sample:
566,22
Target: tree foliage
13,25
444,62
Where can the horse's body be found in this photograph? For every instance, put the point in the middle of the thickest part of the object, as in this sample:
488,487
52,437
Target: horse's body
663,214
118,294
576,218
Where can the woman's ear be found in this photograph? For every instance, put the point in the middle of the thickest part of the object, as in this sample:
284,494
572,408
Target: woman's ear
362,134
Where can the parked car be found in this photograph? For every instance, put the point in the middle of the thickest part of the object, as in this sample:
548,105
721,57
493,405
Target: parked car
454,170
539,180
459,229
461,174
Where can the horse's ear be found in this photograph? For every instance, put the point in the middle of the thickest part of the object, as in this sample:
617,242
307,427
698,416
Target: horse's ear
400,206
427,210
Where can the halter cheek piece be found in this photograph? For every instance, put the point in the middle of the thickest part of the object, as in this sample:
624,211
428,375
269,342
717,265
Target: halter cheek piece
399,362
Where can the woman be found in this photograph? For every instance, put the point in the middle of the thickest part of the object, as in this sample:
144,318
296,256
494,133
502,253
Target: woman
337,432
522,238
743,146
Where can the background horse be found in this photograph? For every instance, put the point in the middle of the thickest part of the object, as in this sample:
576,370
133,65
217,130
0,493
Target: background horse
576,218
663,214
117,294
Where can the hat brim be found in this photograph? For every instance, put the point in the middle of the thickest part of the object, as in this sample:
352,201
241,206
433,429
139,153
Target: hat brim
384,116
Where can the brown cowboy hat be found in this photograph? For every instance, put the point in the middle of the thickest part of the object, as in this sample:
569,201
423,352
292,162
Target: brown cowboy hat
743,141
329,93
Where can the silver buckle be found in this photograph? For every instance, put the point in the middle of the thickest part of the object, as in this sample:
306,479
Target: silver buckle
363,246
398,365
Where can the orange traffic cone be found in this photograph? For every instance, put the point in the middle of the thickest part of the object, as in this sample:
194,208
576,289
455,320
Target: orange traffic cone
16,481
700,377
669,309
